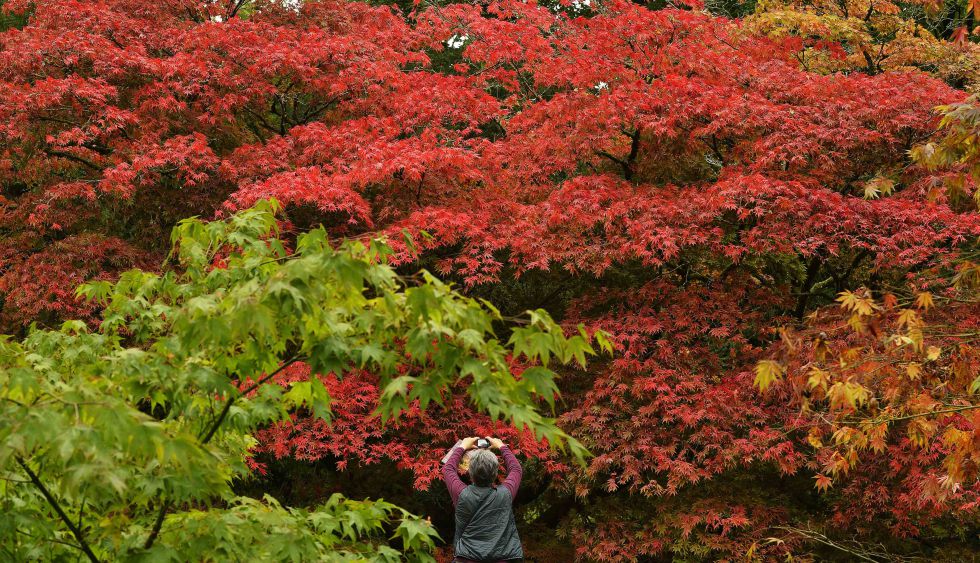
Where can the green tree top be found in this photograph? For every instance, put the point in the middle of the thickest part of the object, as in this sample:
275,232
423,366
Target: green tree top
123,443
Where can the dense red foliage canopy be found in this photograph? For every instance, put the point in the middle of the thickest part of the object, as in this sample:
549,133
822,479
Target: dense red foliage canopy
665,175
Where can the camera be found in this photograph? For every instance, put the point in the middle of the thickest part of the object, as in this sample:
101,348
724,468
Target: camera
483,443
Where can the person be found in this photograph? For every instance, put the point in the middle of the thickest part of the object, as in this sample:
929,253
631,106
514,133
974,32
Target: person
486,531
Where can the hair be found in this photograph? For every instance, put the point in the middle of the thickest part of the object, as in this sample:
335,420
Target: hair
483,468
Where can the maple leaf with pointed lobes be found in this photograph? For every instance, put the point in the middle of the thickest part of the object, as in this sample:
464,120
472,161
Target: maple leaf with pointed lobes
960,36
823,482
924,301
767,372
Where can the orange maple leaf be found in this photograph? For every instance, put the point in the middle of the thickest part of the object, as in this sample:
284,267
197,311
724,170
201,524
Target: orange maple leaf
823,482
960,35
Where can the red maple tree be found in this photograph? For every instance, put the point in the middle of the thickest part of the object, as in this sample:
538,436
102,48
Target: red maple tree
666,175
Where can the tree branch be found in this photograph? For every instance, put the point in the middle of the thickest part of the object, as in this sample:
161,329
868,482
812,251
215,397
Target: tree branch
75,530
811,274
206,437
626,163
235,8
634,151
224,412
157,525
611,157
74,158
927,413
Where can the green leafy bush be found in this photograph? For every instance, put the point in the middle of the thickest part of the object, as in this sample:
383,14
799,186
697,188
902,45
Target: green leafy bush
123,443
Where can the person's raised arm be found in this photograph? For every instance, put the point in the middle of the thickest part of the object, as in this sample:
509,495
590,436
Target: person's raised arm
450,473
514,470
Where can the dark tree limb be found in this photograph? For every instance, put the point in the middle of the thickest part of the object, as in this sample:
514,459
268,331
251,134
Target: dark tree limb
224,412
157,525
75,530
627,162
206,437
811,274
73,158
612,157
841,280
418,191
713,145
235,7
634,151
872,68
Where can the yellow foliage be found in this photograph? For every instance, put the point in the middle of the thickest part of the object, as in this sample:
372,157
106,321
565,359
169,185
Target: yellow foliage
768,372
915,335
847,394
818,378
923,300
877,187
813,438
909,318
876,437
861,304
852,437
914,370
873,36
920,431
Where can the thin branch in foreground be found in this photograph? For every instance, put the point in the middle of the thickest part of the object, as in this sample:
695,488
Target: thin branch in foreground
206,437
75,530
859,551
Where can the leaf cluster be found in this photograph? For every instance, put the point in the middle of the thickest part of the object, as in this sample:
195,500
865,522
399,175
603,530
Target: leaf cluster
124,442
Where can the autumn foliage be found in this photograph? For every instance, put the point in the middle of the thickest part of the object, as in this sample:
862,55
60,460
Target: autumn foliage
755,203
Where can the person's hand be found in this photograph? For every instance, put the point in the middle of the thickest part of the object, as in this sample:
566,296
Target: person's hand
495,443
469,443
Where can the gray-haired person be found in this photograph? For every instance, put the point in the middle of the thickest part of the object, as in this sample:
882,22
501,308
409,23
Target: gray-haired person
486,531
